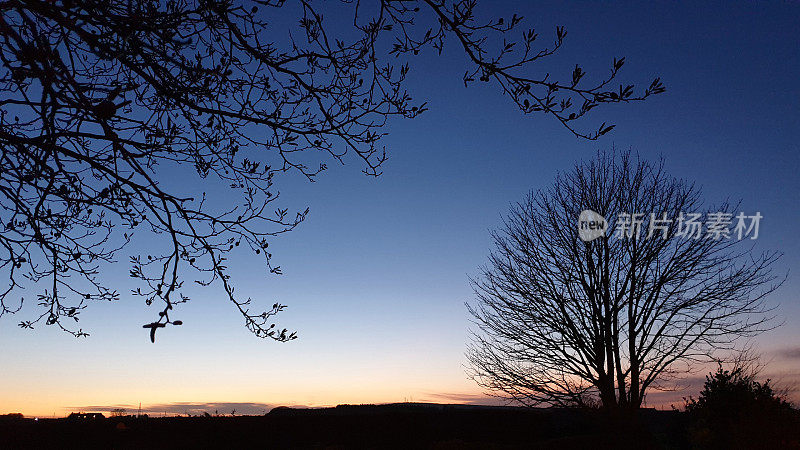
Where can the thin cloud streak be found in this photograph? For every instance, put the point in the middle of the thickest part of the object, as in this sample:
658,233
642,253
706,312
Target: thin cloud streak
183,408
789,353
464,398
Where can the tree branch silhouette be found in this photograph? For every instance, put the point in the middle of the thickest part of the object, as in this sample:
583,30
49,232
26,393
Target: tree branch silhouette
564,322
103,101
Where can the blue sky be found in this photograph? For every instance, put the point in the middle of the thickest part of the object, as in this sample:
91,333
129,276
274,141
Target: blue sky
376,278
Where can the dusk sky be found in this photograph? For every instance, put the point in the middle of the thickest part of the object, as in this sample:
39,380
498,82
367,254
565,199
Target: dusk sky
376,279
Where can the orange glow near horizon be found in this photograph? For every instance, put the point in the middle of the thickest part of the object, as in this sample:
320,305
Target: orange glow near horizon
106,402
198,399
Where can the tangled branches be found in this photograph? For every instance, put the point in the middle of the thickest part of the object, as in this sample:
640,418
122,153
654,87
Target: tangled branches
103,102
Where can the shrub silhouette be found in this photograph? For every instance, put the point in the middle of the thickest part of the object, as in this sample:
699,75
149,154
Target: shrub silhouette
736,411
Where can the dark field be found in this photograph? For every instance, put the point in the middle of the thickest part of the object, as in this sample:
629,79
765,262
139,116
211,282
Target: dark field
416,425
392,426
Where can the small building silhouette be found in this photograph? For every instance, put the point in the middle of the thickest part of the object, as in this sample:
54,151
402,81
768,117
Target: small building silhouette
86,416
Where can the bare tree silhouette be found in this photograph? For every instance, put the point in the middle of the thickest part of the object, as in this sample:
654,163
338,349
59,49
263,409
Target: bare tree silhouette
104,101
562,321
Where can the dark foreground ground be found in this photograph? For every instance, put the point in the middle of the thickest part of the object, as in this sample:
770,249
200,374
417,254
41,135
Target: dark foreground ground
383,426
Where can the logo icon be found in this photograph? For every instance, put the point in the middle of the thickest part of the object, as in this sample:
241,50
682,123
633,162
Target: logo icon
591,225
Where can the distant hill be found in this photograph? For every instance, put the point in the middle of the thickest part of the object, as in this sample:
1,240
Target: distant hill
400,425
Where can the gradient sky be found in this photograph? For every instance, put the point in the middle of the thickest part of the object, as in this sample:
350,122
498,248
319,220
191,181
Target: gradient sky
376,278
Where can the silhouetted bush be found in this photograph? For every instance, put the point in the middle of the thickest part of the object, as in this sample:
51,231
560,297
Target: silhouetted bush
736,411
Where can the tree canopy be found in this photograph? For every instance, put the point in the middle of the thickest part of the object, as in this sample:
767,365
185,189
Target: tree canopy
568,319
